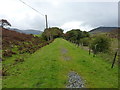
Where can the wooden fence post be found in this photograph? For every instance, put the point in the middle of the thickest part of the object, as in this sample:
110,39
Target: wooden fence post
95,51
89,50
114,59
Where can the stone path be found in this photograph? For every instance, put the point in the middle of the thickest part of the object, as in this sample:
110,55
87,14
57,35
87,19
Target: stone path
74,81
64,51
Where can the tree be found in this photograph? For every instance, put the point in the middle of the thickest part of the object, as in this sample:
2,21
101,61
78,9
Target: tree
85,41
73,35
85,34
76,36
4,23
52,33
100,43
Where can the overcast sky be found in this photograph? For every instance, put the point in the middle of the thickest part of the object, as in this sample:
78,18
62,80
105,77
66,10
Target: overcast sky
61,13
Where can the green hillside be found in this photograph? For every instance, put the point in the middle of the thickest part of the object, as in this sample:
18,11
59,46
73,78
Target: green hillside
49,67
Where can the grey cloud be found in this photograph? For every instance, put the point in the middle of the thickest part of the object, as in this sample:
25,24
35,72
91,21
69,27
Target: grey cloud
94,14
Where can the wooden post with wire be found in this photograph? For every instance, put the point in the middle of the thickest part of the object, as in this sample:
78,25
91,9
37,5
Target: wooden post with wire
114,59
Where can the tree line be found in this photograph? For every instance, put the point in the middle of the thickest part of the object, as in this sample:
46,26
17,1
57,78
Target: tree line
99,43
96,44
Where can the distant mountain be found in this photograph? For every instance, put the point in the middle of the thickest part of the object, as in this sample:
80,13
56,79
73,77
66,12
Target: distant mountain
114,33
102,30
29,31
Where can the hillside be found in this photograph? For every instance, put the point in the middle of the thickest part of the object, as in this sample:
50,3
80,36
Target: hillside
46,69
102,30
18,43
114,33
9,37
28,31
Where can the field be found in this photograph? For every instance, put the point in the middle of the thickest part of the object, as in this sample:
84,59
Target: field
49,66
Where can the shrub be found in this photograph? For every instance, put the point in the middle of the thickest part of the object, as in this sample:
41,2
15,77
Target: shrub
100,43
85,41
18,60
4,72
8,53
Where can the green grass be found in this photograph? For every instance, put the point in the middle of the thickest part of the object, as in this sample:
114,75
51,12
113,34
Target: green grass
109,56
38,35
114,44
46,68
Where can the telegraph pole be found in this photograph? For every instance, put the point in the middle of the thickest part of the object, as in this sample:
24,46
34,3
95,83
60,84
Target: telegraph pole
46,21
37,12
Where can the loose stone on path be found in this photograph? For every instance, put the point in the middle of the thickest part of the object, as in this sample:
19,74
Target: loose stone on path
74,81
64,51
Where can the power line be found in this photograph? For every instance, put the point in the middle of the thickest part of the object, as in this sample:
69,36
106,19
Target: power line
37,12
32,8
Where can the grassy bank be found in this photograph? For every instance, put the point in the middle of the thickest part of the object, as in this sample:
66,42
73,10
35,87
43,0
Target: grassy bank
49,66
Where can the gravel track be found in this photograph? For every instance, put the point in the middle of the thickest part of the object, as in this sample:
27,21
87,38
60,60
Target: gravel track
74,81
